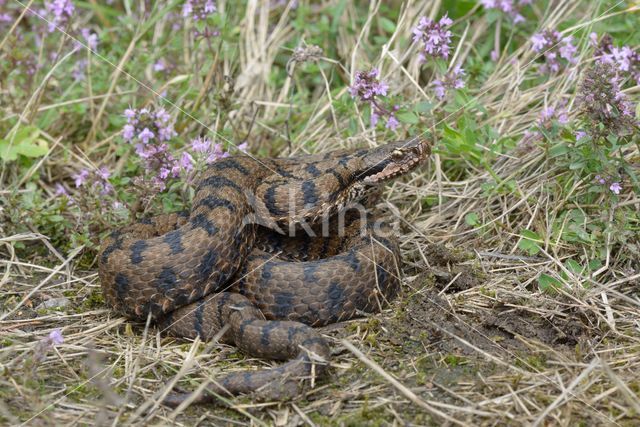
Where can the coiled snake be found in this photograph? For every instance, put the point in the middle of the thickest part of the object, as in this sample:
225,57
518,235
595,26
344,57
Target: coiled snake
223,263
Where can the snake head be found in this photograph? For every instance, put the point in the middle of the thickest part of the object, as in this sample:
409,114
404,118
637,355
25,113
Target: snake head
392,160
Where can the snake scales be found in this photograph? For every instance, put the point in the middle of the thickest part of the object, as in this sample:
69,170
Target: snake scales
195,273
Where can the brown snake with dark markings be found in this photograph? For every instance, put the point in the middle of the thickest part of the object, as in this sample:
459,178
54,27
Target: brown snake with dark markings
195,273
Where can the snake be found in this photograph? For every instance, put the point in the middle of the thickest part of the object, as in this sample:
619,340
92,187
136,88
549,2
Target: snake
270,249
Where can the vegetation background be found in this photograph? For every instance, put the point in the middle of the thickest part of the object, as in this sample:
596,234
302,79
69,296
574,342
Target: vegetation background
520,240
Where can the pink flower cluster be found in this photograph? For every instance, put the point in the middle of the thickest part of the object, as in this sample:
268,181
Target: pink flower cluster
47,343
90,39
198,9
5,16
546,119
368,87
508,7
209,152
626,59
150,131
554,47
145,126
607,109
548,114
451,80
58,13
434,36
614,186
99,180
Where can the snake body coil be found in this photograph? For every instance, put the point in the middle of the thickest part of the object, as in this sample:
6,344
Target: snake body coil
216,266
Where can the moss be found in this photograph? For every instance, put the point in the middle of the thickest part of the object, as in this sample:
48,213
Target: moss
487,292
534,363
94,300
453,360
377,416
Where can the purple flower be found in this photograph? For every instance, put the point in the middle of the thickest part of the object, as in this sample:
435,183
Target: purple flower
78,72
5,18
163,173
435,36
439,88
200,144
128,132
59,12
144,151
545,122
160,65
130,114
146,135
508,7
539,41
367,87
550,113
149,130
198,9
103,173
568,50
580,134
55,337
106,187
392,122
243,147
166,133
158,120
553,46
186,161
606,109
451,80
216,153
615,187
626,59
563,118
91,39
547,113
162,116
374,118
61,191
80,177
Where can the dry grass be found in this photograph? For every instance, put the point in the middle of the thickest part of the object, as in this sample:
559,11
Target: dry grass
471,341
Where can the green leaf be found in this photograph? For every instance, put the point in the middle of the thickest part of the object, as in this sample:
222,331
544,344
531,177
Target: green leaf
55,218
558,150
577,165
388,25
408,117
472,219
25,141
529,242
548,284
594,264
573,266
423,107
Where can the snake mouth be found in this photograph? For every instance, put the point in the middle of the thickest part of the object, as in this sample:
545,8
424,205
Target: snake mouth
392,160
389,169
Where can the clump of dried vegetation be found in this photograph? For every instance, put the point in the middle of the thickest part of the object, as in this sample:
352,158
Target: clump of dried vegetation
520,237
